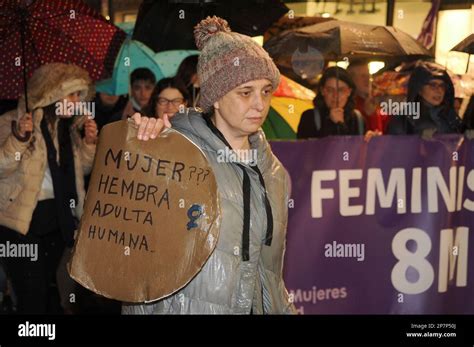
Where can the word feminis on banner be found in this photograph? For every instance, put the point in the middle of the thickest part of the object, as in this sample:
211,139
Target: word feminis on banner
393,193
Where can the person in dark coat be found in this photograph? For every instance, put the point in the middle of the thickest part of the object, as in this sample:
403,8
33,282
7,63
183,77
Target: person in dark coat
108,106
334,108
432,88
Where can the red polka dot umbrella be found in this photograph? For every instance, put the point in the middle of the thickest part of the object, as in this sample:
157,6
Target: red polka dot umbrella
33,33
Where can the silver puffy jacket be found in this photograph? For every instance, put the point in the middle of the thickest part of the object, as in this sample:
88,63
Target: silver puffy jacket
239,277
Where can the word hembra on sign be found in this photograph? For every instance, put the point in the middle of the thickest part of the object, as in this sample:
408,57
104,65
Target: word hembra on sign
133,190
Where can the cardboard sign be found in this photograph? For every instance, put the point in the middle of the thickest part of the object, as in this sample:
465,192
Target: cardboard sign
151,217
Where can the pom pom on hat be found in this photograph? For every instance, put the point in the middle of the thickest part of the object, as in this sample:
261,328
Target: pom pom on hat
208,27
220,49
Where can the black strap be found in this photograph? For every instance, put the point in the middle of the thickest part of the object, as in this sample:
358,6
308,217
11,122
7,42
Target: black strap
246,224
268,208
246,187
63,176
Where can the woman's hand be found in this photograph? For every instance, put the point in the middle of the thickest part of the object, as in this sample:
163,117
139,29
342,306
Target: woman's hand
150,127
90,127
369,134
337,115
26,124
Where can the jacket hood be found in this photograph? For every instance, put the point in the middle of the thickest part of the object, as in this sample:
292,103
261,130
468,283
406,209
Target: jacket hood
53,82
422,74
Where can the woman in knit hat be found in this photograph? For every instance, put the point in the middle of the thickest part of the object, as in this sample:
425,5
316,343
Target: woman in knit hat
243,275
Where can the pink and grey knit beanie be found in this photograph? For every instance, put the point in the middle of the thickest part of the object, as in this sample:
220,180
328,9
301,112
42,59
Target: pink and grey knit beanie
227,60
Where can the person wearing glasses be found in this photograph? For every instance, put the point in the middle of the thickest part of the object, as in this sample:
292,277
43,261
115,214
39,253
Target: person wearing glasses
432,88
168,97
334,110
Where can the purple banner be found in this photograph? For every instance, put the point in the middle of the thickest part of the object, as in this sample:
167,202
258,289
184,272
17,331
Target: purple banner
383,227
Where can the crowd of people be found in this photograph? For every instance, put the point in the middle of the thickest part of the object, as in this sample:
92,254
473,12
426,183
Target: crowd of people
343,105
46,156
149,97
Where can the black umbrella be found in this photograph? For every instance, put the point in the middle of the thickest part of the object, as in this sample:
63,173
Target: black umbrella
302,52
288,23
167,25
466,45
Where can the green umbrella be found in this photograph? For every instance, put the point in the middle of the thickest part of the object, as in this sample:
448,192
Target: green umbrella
135,54
169,61
132,55
275,127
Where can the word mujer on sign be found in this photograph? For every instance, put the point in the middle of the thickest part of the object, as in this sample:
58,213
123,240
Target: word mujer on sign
171,169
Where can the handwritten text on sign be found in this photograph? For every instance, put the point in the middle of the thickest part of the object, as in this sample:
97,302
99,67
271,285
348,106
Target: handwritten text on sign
151,215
